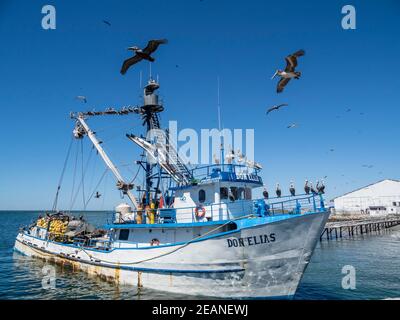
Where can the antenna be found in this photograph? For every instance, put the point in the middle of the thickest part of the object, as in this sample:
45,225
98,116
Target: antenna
150,69
219,121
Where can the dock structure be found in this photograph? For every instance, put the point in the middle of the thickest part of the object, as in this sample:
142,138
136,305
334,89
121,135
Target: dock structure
349,229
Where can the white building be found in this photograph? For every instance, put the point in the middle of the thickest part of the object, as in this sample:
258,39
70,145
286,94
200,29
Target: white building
379,198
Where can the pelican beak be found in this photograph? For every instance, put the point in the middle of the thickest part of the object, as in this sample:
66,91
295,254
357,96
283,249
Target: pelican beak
276,72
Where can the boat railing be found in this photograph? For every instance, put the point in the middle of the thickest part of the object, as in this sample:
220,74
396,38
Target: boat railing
203,172
299,204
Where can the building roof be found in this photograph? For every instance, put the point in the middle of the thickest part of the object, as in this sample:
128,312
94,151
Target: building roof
368,185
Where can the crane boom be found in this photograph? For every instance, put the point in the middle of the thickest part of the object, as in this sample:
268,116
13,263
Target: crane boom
121,184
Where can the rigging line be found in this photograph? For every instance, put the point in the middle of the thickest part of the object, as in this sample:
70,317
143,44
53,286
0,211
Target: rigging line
80,185
104,192
97,186
83,176
62,175
74,177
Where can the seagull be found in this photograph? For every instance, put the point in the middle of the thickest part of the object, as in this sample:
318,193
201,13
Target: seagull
307,188
293,125
82,98
140,54
107,23
289,72
276,107
292,189
278,190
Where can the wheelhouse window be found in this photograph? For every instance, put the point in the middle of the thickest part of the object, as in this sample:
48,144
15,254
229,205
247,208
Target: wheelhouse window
202,196
241,193
223,192
234,193
124,234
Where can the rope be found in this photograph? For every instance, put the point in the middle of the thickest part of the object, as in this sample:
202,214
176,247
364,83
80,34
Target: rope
62,175
170,252
97,186
73,179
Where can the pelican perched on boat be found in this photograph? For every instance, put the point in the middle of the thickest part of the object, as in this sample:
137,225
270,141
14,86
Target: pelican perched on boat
313,191
240,156
292,190
265,193
230,156
306,188
289,72
141,54
320,187
278,190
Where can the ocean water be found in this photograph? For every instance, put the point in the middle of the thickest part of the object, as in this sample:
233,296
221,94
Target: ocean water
375,258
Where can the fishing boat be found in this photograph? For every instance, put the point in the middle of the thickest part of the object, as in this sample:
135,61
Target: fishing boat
205,234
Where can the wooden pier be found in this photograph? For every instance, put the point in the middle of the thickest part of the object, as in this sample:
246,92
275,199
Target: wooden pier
349,229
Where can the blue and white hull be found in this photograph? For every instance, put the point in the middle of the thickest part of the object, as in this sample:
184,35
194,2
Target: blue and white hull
264,257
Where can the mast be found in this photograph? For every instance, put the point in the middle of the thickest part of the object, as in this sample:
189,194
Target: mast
80,130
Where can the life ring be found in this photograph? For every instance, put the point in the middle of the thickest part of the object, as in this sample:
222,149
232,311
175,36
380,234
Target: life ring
200,212
155,242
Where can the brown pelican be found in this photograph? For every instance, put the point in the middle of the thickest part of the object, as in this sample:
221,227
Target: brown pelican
289,72
265,193
313,191
278,190
320,187
306,188
276,107
292,189
140,54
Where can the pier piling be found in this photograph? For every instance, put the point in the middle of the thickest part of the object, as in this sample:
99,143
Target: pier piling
356,227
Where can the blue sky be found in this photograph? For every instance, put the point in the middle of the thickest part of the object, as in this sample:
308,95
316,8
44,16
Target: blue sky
242,43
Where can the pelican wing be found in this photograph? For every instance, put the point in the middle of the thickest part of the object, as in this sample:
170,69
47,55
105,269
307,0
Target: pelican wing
291,60
130,62
153,45
281,84
272,109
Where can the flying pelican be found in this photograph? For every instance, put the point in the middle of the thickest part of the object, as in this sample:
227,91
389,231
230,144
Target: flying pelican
140,54
278,190
307,188
82,98
289,72
107,23
292,189
293,125
276,107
